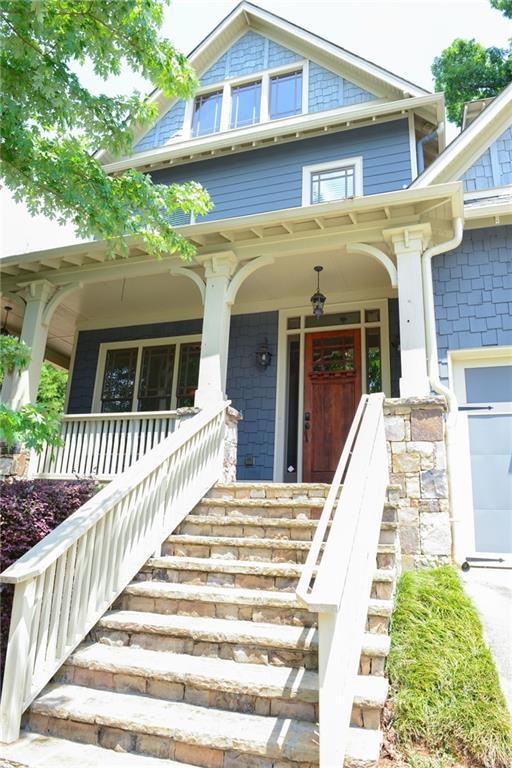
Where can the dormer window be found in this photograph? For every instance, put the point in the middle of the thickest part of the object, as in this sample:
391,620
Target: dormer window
207,112
245,104
285,95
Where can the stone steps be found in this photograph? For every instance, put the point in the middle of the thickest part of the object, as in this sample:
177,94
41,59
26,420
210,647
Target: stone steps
208,658
186,732
218,683
241,641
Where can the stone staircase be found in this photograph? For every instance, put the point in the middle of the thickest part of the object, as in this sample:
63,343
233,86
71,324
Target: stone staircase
207,658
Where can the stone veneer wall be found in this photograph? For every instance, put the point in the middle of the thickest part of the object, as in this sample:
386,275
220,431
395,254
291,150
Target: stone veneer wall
415,432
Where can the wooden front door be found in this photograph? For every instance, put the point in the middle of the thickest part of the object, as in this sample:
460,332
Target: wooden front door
332,390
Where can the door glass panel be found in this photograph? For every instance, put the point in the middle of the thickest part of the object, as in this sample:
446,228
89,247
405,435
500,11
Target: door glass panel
373,361
372,315
119,380
188,374
489,384
155,384
490,440
334,318
333,354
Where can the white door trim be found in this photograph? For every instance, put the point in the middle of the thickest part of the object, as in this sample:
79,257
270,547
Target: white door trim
282,372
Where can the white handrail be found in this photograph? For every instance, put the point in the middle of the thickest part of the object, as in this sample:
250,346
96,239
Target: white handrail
344,574
67,581
105,444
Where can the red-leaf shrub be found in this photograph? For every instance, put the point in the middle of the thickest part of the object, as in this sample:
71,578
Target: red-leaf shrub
29,510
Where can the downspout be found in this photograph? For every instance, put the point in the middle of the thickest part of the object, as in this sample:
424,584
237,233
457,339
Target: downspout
420,157
433,362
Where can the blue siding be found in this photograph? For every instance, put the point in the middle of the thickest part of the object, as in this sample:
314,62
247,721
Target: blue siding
166,128
253,391
493,168
473,293
251,53
328,91
270,179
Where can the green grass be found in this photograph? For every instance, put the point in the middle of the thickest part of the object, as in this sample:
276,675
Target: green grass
444,685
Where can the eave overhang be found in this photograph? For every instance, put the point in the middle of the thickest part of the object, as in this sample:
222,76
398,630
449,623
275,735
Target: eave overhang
291,230
489,208
178,152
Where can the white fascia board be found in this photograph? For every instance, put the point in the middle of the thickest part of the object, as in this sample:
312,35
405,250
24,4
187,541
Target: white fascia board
471,143
273,128
324,46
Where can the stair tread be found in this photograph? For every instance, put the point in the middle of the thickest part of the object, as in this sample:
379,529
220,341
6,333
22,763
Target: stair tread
214,630
231,631
218,565
238,541
252,521
241,485
212,593
272,737
36,751
208,501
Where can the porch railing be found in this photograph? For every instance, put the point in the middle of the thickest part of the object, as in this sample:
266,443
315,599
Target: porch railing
105,444
64,584
340,590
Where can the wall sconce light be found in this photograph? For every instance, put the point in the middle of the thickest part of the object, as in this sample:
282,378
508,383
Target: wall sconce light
263,355
318,299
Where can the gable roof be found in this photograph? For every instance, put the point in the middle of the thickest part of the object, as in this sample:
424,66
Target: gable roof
470,144
247,16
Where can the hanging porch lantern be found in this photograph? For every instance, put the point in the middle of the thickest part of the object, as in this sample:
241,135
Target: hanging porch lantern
318,299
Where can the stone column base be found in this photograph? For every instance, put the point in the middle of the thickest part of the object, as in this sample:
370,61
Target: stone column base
230,446
415,432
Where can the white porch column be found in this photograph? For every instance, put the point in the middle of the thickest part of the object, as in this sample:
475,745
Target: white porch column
216,321
408,244
21,388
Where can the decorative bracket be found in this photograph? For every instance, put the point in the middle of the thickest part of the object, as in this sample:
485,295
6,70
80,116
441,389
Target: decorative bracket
182,272
56,299
376,253
243,274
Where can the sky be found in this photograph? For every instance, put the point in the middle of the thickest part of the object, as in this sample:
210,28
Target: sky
402,36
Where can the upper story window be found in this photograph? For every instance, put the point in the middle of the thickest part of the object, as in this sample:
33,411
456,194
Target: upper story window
207,112
245,104
332,181
285,95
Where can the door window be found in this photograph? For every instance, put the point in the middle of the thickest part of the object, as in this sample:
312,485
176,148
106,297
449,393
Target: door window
489,413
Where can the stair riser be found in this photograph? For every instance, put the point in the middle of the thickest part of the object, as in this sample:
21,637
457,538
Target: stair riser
269,492
190,528
240,652
160,746
273,512
372,665
271,615
260,554
386,560
378,624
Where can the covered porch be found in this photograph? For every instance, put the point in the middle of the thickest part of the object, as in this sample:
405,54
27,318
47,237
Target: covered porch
147,338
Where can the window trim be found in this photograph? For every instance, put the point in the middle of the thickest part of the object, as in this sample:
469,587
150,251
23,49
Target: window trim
177,341
308,170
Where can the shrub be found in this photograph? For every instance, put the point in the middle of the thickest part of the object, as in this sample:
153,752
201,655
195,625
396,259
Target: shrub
29,510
